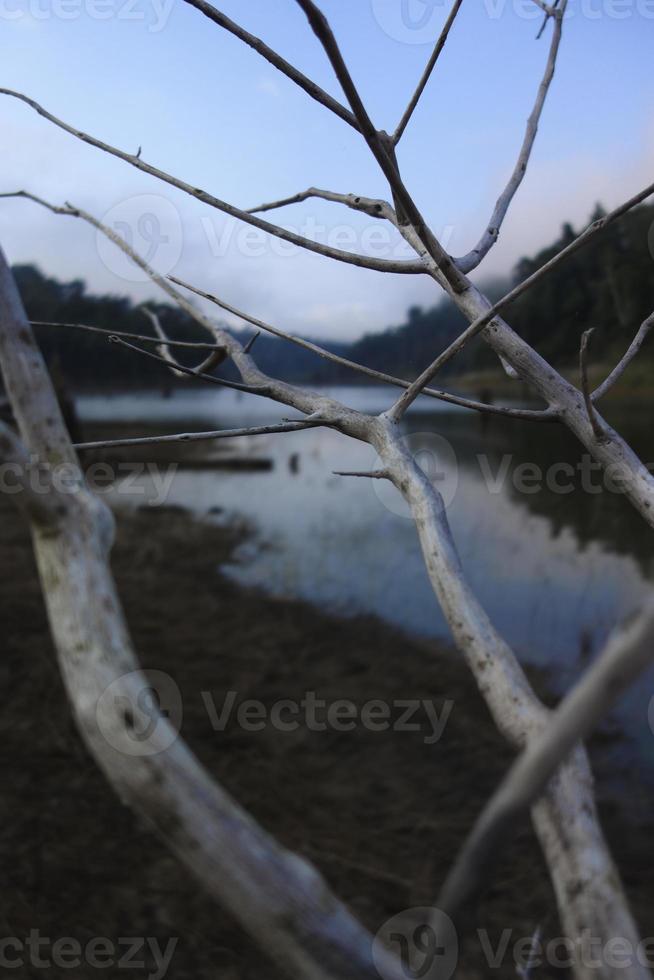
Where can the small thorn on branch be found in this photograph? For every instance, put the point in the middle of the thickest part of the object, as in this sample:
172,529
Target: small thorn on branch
549,11
509,370
598,431
261,389
371,474
251,342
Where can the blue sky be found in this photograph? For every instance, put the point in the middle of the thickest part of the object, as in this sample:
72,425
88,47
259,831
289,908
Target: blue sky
157,74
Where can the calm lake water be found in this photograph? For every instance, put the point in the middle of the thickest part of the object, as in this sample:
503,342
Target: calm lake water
556,559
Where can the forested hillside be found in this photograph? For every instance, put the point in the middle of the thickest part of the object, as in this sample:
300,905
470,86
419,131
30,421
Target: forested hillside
609,285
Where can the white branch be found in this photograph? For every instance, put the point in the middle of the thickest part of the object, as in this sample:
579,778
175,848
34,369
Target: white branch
363,261
485,316
612,451
586,881
181,370
45,510
143,338
162,282
525,414
369,474
278,897
371,206
208,364
382,148
254,380
259,430
628,653
431,64
283,903
593,416
470,261
624,363
309,86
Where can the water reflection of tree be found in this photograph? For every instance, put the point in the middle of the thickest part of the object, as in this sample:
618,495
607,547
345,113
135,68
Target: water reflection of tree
602,517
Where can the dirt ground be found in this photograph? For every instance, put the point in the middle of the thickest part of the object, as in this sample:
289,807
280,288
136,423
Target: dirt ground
381,814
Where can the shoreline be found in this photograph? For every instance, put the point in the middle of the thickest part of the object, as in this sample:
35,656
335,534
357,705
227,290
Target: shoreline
380,812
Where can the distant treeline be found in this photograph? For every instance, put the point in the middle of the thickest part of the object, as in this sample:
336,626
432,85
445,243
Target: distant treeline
608,285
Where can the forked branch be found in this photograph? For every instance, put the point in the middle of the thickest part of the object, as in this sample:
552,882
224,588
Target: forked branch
282,901
309,86
587,885
480,322
279,898
142,338
470,261
208,364
531,415
593,417
381,146
180,369
628,653
350,258
367,205
431,64
626,360
120,242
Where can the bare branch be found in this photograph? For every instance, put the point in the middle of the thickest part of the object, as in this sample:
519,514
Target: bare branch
143,338
525,414
255,380
368,205
164,349
309,86
71,211
587,883
549,12
565,820
369,474
593,417
381,146
363,261
277,896
268,890
43,509
190,372
251,342
260,430
630,354
480,322
208,364
544,7
431,64
629,651
470,261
